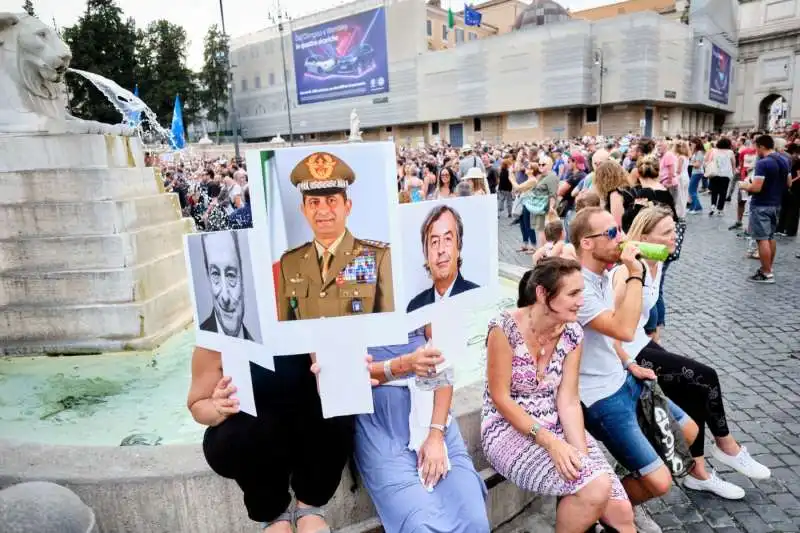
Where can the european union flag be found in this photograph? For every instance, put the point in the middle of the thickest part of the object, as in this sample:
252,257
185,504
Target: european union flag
472,17
178,136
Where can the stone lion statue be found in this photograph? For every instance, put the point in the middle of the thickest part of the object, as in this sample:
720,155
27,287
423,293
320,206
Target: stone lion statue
33,62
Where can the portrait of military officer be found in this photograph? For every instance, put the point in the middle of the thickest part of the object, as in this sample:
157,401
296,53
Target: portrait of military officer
222,260
442,235
336,274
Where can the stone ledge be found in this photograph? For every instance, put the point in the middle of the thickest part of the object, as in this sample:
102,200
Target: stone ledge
34,152
77,185
116,250
86,218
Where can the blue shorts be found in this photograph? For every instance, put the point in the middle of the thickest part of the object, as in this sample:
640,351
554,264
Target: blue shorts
764,222
613,421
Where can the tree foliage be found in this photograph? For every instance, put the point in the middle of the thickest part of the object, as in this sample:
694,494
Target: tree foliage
213,77
162,72
27,6
101,42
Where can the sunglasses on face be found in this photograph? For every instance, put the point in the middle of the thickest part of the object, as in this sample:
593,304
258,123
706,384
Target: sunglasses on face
610,233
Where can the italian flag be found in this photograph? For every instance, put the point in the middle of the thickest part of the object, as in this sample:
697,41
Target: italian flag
277,231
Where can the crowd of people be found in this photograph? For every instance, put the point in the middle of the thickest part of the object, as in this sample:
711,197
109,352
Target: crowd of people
566,369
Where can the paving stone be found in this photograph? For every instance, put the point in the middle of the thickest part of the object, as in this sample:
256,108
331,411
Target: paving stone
718,518
752,523
786,502
667,521
770,513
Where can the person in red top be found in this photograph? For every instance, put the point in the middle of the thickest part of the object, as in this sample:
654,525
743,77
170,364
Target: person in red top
747,162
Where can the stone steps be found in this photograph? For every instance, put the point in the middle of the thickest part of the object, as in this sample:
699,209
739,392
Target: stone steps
41,219
93,324
77,185
96,286
31,152
93,251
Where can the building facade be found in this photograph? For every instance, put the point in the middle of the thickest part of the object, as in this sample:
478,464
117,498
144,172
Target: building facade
513,80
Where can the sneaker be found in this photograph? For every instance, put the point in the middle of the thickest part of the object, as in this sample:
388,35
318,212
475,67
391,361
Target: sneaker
780,234
753,255
759,277
715,484
696,212
710,212
735,226
643,522
721,213
743,462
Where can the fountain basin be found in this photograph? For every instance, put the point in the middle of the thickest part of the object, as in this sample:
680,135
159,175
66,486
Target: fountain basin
169,487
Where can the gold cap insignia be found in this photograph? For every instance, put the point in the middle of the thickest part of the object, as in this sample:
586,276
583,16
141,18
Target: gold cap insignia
321,166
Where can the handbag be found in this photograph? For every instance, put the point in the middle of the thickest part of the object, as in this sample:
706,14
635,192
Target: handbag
516,207
536,204
680,233
712,167
662,430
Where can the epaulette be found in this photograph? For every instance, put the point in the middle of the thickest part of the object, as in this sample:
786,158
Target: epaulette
287,252
374,244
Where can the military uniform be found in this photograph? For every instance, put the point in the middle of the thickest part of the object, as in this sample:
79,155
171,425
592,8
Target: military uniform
358,277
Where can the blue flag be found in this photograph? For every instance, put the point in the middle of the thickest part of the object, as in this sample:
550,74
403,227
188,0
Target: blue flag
178,137
472,17
135,117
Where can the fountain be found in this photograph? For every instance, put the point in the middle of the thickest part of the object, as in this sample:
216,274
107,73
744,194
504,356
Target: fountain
91,260
91,255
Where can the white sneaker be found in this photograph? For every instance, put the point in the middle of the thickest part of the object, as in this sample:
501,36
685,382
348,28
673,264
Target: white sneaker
715,484
742,463
643,522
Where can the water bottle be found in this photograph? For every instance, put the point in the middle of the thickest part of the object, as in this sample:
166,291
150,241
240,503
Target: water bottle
648,250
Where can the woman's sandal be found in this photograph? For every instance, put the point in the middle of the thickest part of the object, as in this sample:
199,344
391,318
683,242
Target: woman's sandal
300,512
286,516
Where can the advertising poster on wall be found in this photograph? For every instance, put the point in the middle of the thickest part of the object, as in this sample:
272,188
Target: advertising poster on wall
720,75
343,58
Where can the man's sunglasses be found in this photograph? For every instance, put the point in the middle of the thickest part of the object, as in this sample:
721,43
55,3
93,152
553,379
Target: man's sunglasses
611,233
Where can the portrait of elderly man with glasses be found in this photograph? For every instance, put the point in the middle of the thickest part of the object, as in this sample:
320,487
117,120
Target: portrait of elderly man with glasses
442,236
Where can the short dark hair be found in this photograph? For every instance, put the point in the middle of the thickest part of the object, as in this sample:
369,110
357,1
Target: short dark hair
547,274
235,238
766,142
646,145
580,226
435,214
724,143
553,230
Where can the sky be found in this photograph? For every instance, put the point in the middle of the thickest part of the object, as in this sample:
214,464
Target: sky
241,16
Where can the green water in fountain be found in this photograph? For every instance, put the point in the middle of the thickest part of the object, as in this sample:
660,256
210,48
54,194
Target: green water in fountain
101,399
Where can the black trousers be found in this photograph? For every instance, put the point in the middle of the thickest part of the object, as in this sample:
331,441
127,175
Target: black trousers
693,386
288,445
719,191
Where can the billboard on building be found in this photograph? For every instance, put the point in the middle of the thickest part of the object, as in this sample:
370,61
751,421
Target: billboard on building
720,76
342,58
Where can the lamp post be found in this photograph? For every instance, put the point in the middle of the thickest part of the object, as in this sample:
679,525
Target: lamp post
278,18
598,60
230,83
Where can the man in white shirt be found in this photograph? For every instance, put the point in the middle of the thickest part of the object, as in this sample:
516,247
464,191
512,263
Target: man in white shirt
610,390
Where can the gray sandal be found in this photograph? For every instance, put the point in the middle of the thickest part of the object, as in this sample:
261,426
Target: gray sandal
300,512
286,516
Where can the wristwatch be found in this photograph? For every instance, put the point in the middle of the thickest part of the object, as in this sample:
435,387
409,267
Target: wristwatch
535,429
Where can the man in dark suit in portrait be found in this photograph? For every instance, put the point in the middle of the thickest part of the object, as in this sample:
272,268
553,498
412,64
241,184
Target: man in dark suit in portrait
442,240
223,263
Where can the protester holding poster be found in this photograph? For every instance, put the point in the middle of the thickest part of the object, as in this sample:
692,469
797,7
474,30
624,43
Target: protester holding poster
289,444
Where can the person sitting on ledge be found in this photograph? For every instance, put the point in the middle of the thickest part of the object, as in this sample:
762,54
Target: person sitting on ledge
288,444
410,452
532,425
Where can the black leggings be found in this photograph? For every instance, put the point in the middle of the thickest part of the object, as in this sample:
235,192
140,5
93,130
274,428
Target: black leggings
693,386
284,446
719,191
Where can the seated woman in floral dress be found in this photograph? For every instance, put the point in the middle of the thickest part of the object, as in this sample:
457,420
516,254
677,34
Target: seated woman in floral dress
532,426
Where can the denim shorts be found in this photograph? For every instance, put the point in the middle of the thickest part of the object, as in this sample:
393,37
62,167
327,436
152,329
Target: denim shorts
763,221
613,421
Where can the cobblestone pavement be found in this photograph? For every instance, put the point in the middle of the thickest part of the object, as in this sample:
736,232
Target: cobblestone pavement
750,333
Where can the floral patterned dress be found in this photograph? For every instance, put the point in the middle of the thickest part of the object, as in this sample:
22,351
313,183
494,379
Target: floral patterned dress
516,456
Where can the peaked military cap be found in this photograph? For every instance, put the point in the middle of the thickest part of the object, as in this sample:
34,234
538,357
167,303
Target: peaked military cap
322,173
